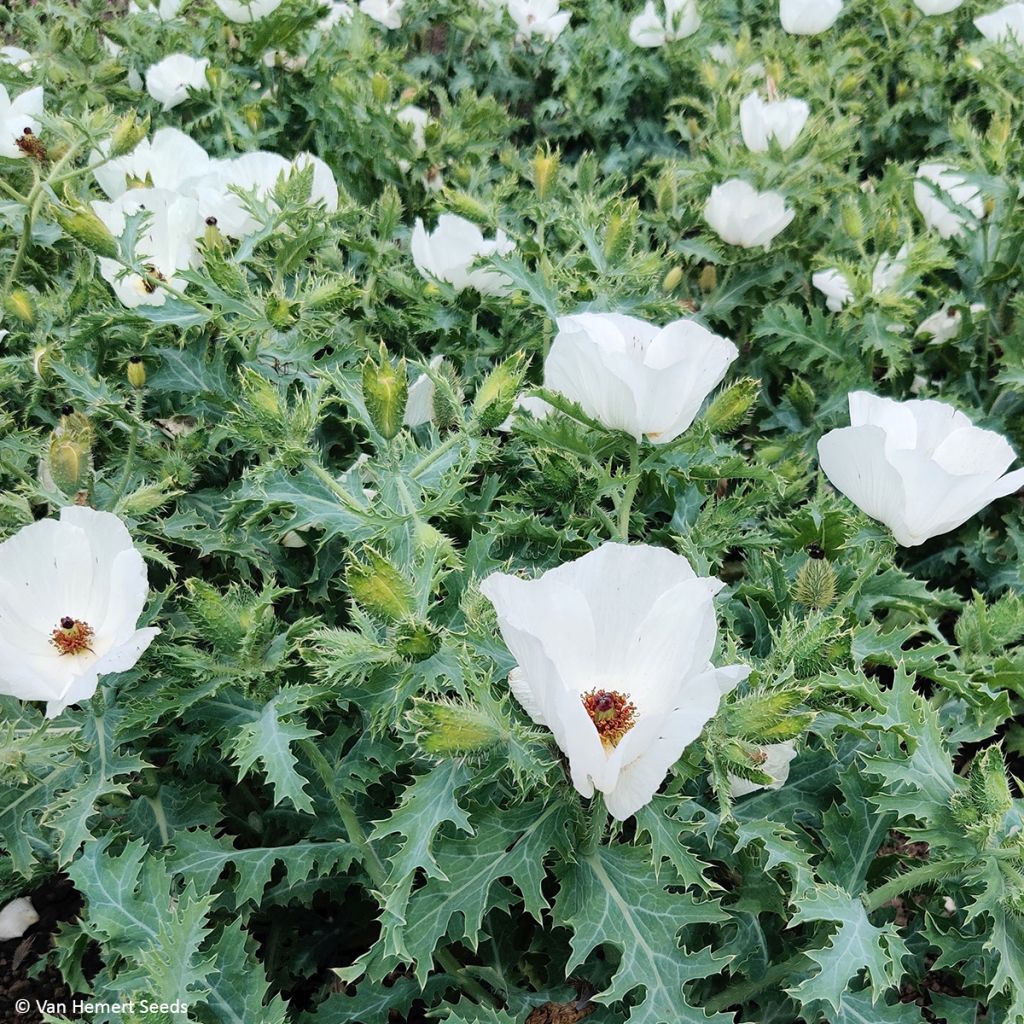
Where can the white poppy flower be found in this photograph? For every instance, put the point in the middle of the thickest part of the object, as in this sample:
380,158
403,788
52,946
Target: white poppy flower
832,283
536,407
889,270
340,12
542,18
782,120
740,215
419,403
775,764
1003,25
16,918
920,467
448,252
71,593
809,17
649,29
945,323
244,11
933,7
18,118
169,80
385,12
634,376
938,191
166,161
166,245
613,655
21,59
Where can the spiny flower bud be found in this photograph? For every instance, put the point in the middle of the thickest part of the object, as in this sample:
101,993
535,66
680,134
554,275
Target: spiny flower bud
385,392
128,134
417,641
853,222
68,458
815,584
802,397
330,292
732,407
448,397
545,167
379,587
708,280
84,226
671,281
467,206
136,372
450,728
618,235
380,86
19,303
280,311
498,391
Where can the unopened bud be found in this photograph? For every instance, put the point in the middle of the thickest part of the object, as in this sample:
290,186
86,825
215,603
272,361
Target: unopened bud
329,293
136,372
128,134
84,226
497,393
380,86
450,728
708,280
671,281
815,584
853,222
802,397
385,392
377,585
280,311
417,641
466,206
19,303
732,407
545,168
617,236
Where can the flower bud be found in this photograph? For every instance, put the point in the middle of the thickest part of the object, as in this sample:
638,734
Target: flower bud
84,226
468,207
497,392
853,222
40,361
545,168
136,372
618,236
380,86
732,407
253,114
330,292
380,588
671,281
19,303
802,397
385,392
280,311
69,456
999,131
417,641
450,728
815,584
128,134
708,280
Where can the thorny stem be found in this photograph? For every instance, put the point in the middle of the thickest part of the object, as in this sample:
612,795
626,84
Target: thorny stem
933,871
625,505
598,820
133,447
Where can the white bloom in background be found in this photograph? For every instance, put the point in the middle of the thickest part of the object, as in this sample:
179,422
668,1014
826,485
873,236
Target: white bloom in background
448,252
933,7
419,404
889,270
650,29
939,191
634,376
740,215
21,59
613,655
385,12
809,17
16,918
247,10
71,593
169,80
536,407
17,117
782,120
832,283
165,9
1003,25
284,60
166,161
165,245
417,118
542,18
340,12
776,764
944,324
920,467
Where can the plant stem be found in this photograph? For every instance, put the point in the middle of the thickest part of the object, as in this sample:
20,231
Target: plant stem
598,820
133,447
933,871
625,505
447,959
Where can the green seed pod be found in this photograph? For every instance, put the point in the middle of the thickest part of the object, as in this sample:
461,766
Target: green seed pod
385,392
731,409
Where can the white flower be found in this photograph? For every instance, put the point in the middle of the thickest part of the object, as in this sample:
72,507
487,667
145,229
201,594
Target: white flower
740,215
631,375
448,252
169,80
165,9
385,12
71,593
17,117
419,404
340,11
531,404
417,118
939,191
613,655
16,918
542,18
166,245
932,7
920,467
1003,25
832,283
945,323
166,161
776,764
809,17
649,29
247,10
21,59
782,120
889,270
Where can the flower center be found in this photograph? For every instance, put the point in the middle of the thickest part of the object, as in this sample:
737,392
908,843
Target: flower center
612,713
72,636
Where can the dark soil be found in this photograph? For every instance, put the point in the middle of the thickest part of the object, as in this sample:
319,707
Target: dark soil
55,901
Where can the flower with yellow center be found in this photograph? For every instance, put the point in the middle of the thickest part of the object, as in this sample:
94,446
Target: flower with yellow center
613,655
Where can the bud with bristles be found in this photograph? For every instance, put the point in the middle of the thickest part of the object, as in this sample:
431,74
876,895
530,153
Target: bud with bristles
802,397
853,222
330,292
815,584
19,303
380,86
82,224
128,134
450,728
545,167
671,281
380,588
417,640
280,311
385,392
708,280
467,206
69,457
732,407
136,372
497,392
618,235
